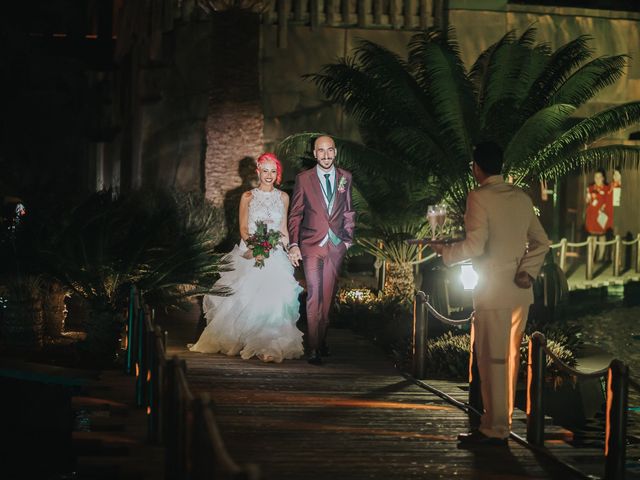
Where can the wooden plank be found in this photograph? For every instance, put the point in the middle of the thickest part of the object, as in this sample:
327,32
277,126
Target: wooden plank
354,417
357,418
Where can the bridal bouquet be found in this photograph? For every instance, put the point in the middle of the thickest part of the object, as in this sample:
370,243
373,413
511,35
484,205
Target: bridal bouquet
262,242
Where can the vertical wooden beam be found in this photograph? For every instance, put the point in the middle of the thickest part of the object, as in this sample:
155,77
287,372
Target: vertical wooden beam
283,23
394,10
377,12
441,14
314,13
330,8
269,12
638,253
344,6
362,13
426,7
298,10
409,11
563,254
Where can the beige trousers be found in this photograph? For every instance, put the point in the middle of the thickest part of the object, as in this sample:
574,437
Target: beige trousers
496,336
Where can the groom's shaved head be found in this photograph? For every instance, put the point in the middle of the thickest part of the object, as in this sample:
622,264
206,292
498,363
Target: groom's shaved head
322,139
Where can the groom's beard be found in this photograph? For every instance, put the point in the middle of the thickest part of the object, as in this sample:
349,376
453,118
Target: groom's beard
323,162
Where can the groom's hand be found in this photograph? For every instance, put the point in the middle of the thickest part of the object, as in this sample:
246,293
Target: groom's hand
295,256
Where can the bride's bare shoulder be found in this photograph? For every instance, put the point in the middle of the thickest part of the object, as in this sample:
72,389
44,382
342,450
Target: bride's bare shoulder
246,197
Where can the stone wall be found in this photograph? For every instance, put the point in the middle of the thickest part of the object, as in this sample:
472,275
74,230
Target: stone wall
234,118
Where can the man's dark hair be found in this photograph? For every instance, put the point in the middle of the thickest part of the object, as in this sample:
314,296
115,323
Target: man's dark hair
488,156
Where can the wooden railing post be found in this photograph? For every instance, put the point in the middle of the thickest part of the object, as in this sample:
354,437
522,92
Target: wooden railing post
617,256
362,13
591,247
344,9
175,416
156,373
616,426
426,8
141,356
128,364
377,12
314,14
638,253
563,254
420,332
535,383
202,463
409,13
299,10
330,9
394,14
283,22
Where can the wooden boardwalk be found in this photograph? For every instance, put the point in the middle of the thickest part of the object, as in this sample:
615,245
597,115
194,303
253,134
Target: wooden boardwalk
354,418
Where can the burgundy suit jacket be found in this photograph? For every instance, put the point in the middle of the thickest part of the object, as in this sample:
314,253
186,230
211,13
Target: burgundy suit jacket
309,220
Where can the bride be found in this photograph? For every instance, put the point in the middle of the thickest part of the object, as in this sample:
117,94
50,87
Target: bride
259,317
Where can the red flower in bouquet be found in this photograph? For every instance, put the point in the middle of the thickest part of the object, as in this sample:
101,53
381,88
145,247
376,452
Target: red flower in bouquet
262,242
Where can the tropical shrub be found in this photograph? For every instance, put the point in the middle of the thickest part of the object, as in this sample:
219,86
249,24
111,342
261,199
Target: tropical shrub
162,241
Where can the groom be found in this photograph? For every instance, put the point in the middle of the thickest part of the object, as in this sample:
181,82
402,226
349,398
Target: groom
321,224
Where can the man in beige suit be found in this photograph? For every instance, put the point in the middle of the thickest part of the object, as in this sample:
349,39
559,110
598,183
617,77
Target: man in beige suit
507,246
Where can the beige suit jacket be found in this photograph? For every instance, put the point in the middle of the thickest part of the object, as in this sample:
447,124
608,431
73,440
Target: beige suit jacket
503,237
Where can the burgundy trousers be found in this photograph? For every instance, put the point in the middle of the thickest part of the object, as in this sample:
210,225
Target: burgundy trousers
321,269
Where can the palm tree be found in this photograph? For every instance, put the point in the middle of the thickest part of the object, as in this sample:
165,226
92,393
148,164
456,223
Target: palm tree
420,117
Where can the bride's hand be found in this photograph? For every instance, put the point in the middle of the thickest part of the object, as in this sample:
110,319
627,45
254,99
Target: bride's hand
248,255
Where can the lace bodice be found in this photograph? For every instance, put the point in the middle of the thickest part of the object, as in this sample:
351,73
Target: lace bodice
267,207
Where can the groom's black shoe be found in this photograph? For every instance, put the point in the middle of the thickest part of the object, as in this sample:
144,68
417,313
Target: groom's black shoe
324,350
315,358
476,438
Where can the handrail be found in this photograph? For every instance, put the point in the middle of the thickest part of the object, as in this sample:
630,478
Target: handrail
618,381
591,243
617,373
162,387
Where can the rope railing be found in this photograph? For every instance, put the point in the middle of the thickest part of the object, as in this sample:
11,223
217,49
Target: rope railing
617,374
618,381
592,243
183,422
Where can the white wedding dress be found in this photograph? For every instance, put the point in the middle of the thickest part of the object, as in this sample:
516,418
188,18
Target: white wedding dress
259,317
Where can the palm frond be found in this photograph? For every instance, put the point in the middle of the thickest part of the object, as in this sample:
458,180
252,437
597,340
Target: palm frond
610,156
560,65
584,134
400,88
536,132
439,70
589,79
